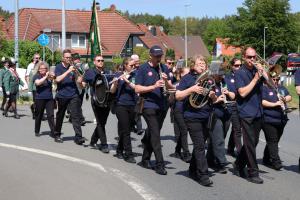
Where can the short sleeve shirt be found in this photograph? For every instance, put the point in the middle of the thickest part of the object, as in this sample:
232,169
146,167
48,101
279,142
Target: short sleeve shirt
249,106
273,114
297,77
190,112
125,94
67,88
147,76
43,91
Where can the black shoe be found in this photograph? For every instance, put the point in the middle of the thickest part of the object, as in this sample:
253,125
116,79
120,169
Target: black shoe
255,179
186,157
192,174
239,172
119,155
104,149
176,155
231,153
79,140
5,114
140,132
83,123
161,170
129,159
205,182
277,166
37,134
145,164
17,116
58,139
2,108
221,170
92,144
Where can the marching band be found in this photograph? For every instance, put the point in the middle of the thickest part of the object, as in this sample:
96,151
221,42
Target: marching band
203,102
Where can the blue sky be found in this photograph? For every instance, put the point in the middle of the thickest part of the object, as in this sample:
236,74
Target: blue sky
167,8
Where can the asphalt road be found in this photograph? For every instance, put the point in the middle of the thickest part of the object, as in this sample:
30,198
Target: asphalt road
38,168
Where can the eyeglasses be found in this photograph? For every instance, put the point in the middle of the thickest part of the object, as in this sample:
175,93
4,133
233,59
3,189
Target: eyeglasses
275,79
37,58
131,65
43,68
100,60
68,57
250,57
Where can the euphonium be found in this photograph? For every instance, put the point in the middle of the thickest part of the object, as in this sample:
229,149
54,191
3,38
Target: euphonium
207,82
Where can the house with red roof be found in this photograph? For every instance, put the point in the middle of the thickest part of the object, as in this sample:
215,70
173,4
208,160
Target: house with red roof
116,32
223,48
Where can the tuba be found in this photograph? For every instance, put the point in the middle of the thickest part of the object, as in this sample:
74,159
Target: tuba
207,82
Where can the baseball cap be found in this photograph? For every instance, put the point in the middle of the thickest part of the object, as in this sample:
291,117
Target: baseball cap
156,51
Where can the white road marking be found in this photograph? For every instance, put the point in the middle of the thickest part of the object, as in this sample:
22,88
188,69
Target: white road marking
143,190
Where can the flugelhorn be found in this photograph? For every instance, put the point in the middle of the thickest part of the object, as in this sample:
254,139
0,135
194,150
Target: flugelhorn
166,91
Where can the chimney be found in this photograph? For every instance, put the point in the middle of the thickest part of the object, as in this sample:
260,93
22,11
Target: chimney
152,30
97,5
113,7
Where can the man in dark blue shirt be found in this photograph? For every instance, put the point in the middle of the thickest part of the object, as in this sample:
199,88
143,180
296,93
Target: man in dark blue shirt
297,84
152,81
101,112
67,95
248,82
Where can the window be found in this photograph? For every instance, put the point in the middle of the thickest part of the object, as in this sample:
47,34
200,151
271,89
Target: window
78,41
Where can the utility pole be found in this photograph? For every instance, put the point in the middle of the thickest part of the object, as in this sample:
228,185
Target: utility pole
17,32
63,26
185,34
265,42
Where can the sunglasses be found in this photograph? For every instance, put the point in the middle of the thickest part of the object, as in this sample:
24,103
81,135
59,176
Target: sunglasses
250,57
131,65
170,63
100,60
37,58
276,79
237,65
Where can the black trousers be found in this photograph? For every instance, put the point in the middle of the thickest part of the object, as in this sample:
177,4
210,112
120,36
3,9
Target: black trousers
273,133
4,98
250,130
180,131
216,146
198,131
40,105
151,140
235,139
101,115
62,104
125,115
81,101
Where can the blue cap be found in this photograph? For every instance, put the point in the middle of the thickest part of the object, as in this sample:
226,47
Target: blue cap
156,51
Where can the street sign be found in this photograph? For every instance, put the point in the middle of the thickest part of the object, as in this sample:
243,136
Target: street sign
43,40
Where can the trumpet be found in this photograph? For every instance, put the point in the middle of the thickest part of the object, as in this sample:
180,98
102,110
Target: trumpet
266,68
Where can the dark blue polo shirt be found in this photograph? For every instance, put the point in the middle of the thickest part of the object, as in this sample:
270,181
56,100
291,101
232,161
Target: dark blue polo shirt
297,77
90,75
230,82
147,76
67,88
219,108
249,106
275,114
125,94
43,91
188,111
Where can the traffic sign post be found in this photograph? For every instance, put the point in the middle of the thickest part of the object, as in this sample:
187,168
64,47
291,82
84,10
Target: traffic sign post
43,40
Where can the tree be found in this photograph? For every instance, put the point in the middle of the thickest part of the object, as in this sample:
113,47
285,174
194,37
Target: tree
248,26
4,13
170,53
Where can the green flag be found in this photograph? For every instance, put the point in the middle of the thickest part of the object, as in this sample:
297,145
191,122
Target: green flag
94,40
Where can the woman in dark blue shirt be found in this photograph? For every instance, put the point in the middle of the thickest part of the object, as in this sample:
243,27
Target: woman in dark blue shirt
274,121
43,98
125,102
196,120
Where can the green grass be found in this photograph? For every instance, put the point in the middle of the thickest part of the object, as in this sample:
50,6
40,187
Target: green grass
295,101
